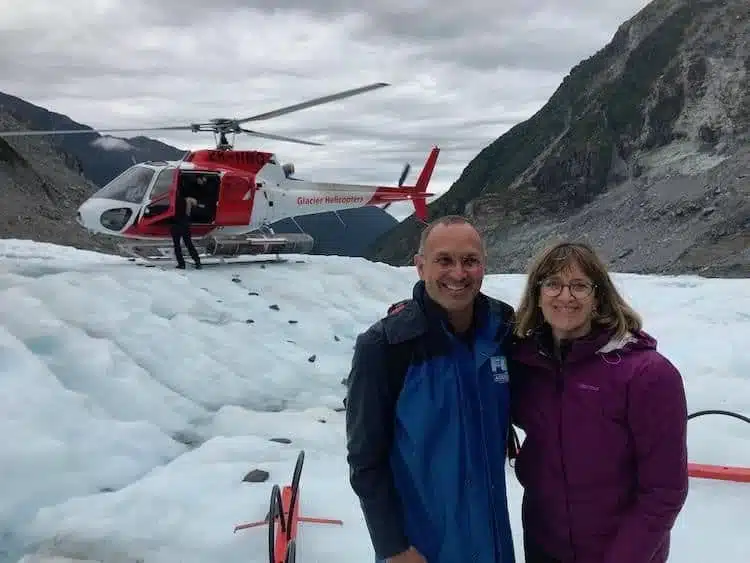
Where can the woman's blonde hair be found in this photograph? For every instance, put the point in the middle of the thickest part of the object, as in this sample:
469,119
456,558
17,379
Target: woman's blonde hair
611,312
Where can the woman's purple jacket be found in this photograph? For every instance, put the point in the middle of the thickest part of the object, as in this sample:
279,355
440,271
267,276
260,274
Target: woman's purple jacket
604,461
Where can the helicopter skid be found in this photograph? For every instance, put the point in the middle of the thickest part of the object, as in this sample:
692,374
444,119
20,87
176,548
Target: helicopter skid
222,247
242,245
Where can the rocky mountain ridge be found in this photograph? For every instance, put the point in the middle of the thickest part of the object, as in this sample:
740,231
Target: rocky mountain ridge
41,188
98,158
642,150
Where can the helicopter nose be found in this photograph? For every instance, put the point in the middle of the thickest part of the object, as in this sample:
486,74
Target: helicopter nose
85,216
108,216
81,213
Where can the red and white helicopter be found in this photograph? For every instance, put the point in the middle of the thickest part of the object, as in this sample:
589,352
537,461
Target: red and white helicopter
239,193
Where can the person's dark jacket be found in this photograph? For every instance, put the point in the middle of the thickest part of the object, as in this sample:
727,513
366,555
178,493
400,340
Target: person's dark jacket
181,216
427,423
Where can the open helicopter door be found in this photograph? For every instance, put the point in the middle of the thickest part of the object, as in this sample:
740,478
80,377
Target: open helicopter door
236,198
159,203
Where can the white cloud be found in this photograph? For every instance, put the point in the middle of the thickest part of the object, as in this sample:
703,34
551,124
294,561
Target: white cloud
461,73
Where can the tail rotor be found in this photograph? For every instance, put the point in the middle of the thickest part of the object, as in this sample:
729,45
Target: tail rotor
401,180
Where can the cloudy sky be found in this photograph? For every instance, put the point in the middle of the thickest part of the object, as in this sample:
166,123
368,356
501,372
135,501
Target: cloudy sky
461,73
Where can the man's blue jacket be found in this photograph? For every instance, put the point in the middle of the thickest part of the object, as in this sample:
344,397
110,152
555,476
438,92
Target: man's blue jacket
427,417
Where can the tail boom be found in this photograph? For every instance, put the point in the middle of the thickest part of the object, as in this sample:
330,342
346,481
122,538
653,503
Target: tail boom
317,197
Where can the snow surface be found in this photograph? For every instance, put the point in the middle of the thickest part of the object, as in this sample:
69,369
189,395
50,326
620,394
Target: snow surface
134,400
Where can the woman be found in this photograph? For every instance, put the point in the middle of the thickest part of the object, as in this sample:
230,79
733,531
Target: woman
604,461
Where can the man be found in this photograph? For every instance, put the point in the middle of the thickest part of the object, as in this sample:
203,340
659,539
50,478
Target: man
427,412
181,229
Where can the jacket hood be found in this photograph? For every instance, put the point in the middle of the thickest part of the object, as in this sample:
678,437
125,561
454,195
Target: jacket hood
537,348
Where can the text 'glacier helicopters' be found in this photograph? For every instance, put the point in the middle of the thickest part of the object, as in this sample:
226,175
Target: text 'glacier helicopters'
239,193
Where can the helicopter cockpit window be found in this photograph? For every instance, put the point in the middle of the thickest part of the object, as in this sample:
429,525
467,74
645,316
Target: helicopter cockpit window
162,184
130,186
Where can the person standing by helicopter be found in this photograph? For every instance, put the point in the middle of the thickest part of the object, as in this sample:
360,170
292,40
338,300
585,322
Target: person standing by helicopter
180,228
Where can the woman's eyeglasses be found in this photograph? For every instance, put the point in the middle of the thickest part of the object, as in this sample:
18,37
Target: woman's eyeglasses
578,289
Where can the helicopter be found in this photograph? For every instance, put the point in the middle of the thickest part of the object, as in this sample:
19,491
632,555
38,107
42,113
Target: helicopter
239,193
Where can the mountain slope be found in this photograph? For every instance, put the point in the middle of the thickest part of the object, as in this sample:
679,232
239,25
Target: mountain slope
45,179
641,150
41,188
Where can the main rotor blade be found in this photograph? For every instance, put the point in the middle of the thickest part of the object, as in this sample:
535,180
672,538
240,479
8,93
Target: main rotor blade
90,131
315,102
279,137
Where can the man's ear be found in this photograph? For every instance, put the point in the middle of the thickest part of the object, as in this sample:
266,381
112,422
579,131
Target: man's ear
419,263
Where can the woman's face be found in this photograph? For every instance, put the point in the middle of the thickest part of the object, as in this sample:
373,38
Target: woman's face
568,301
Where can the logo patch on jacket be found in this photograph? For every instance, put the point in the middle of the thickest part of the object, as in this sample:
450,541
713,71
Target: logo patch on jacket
499,368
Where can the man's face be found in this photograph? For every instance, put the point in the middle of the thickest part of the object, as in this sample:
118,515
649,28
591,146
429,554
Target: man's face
452,266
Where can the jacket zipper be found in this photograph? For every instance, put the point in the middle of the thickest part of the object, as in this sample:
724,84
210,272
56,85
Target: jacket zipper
492,493
485,458
560,386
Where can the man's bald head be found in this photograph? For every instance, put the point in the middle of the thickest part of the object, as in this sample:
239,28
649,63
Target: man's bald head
446,221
